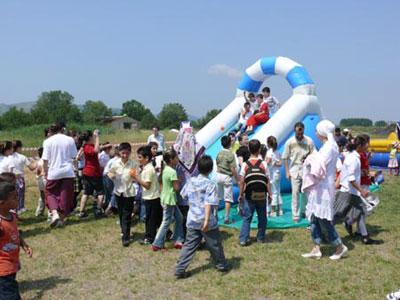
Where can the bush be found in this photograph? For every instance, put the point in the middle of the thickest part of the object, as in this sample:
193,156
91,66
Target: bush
356,122
381,123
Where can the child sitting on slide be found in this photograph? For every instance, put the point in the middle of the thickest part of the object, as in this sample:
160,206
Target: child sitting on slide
251,98
243,117
259,117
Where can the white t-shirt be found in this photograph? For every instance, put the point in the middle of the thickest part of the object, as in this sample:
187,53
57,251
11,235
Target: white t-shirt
159,139
273,104
103,159
109,164
275,157
19,161
243,119
60,151
351,171
6,164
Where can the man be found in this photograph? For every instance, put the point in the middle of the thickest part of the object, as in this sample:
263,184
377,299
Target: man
158,138
273,103
59,152
297,148
339,138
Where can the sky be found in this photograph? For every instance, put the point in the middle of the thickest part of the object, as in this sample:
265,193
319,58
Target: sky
195,52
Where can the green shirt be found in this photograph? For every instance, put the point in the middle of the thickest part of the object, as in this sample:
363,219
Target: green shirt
225,162
168,195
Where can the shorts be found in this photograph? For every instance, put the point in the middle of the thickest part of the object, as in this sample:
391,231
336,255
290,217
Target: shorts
92,184
224,183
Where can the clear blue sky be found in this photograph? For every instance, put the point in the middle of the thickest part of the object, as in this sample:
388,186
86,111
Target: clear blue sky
164,51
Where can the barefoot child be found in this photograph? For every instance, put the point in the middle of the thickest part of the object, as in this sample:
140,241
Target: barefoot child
10,242
202,223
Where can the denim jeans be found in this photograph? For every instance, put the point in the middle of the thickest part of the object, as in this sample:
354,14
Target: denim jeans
317,225
248,210
170,212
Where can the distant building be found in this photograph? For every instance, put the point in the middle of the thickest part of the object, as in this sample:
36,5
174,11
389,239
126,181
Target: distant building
121,122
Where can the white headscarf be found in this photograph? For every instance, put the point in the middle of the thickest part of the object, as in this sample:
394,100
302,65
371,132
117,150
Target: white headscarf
326,128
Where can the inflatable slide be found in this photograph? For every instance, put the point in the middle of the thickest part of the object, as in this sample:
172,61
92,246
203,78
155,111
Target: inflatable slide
382,147
302,106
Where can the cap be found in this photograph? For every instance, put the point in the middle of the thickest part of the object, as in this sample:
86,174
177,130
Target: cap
346,130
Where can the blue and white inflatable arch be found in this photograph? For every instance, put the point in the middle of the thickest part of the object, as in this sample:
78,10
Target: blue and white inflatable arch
302,106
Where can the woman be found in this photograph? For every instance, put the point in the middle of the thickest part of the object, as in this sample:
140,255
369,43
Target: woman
319,173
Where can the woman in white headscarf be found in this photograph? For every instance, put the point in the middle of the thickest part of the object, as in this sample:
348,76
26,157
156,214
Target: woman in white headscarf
320,199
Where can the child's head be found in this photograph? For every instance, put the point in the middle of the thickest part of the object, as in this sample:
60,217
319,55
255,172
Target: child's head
367,139
107,147
243,139
87,137
246,106
205,165
154,147
358,143
124,151
272,143
8,196
254,147
6,148
144,155
40,152
171,157
17,145
260,99
266,92
251,97
226,142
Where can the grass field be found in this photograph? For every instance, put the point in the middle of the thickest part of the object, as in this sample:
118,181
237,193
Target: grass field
85,260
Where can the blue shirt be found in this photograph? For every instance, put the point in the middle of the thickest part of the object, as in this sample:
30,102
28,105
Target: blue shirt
200,191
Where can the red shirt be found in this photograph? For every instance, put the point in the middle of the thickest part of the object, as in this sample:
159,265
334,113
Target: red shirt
92,166
9,246
364,160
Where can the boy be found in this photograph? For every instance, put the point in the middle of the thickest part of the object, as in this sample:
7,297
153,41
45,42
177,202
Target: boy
150,195
10,242
273,103
201,222
226,169
254,190
122,172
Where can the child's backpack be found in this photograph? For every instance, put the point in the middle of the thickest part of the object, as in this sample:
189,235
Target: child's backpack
256,182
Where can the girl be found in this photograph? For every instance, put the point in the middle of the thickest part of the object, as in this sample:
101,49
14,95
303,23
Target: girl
6,164
393,163
170,186
19,162
274,163
321,192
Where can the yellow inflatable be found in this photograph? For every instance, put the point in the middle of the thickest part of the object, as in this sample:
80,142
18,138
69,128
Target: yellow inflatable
383,145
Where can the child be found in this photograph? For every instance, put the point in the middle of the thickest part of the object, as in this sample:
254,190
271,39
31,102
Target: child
273,103
251,98
150,194
393,164
254,191
123,172
170,185
156,159
41,184
274,163
244,116
202,223
109,196
19,162
259,117
226,169
10,242
6,163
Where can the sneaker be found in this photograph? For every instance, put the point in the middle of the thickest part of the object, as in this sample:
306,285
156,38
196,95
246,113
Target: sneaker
39,211
125,243
55,219
182,275
366,240
312,254
280,212
262,241
178,245
82,214
222,269
338,256
145,242
349,228
393,296
156,248
245,243
21,211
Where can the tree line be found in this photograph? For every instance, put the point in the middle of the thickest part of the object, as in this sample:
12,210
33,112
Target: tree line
364,122
54,106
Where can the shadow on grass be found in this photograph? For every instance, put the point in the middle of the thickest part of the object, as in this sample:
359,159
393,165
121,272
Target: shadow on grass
42,285
233,264
374,230
275,236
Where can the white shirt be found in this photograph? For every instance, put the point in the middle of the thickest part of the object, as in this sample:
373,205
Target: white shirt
273,104
351,171
60,151
6,164
275,157
103,159
109,164
159,139
19,162
243,119
321,197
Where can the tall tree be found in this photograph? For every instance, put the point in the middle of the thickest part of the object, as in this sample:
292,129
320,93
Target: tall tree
94,111
134,109
171,115
55,106
15,118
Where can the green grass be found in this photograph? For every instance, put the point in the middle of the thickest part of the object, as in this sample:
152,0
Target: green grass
85,260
